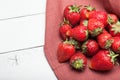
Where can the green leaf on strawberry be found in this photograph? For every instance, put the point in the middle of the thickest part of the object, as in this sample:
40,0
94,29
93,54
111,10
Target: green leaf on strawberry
96,32
74,8
78,61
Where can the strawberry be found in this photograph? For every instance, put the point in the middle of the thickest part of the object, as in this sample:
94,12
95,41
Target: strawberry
116,44
84,12
99,15
95,27
90,47
114,29
79,33
65,51
105,40
71,13
103,60
112,18
78,61
84,22
63,29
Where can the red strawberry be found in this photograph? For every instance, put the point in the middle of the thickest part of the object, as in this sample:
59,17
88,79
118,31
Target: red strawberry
65,51
103,60
105,40
79,33
63,29
90,47
99,15
116,44
114,29
95,27
84,12
112,18
84,23
78,61
71,13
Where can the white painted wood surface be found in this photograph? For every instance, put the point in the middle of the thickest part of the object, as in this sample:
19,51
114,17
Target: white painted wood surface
22,31
13,8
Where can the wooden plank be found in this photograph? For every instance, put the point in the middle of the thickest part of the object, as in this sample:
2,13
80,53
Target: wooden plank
25,65
13,8
22,32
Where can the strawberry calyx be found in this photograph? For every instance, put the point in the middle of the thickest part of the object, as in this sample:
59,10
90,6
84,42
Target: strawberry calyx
96,32
113,56
65,21
110,20
88,7
84,47
72,42
74,8
85,22
108,44
78,64
116,28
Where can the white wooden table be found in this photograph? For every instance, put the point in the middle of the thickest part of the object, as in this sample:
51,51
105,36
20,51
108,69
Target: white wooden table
22,30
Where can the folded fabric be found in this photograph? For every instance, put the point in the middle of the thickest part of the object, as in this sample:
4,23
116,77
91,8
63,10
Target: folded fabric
54,16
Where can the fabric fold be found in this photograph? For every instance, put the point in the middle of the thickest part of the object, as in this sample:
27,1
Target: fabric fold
54,16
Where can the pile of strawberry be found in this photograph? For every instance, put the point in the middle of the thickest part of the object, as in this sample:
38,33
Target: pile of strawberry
89,33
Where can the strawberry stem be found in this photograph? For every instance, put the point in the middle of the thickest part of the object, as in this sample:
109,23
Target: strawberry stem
113,56
65,22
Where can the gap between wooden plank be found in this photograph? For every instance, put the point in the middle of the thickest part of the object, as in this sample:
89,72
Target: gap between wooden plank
21,49
22,16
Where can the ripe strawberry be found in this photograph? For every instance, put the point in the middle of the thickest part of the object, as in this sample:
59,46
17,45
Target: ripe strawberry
99,15
116,44
79,33
78,61
103,60
84,23
105,40
115,29
71,13
95,27
84,12
65,51
63,29
90,47
112,18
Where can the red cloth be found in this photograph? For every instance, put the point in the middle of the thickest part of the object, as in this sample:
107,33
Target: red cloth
112,6
54,16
